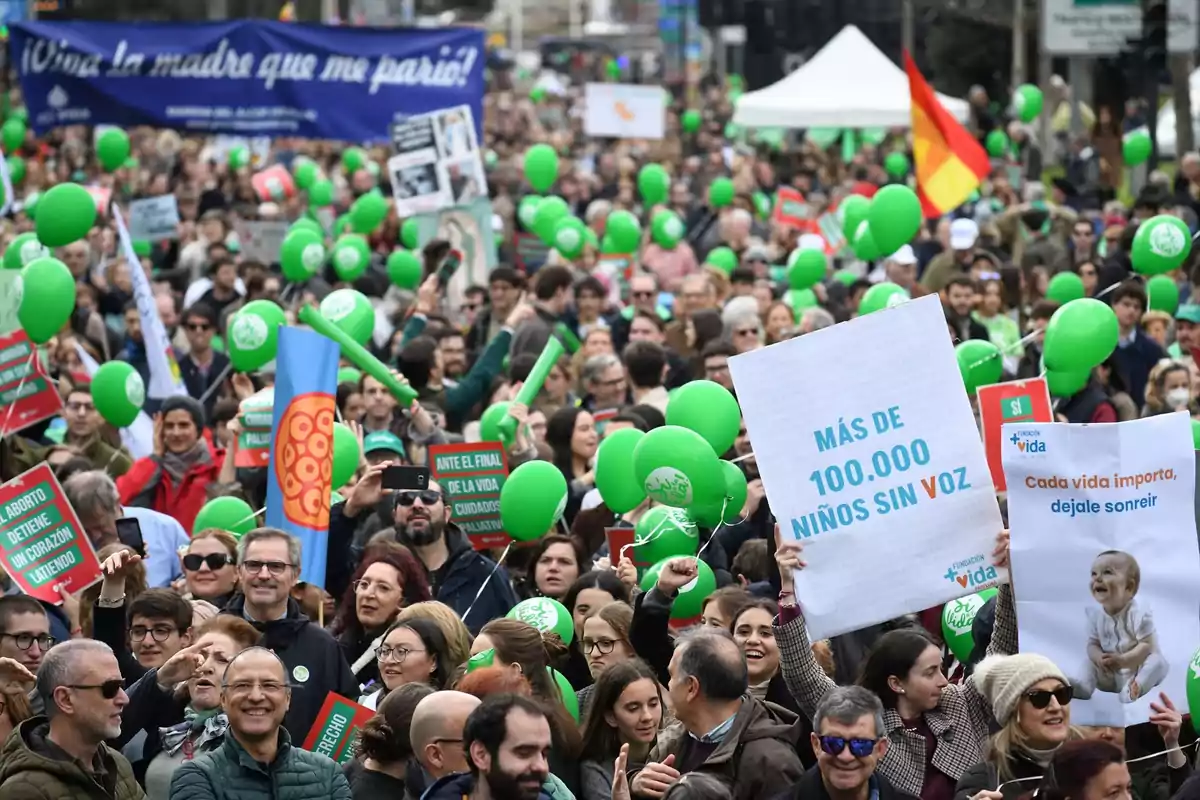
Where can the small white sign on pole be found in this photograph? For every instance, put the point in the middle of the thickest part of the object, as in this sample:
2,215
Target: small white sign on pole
624,111
153,219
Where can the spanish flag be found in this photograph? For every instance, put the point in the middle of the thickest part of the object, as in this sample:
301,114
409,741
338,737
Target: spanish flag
949,162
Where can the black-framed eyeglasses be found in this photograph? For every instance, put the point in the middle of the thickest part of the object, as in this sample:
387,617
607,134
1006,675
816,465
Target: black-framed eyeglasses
276,568
193,561
447,740
428,497
859,748
246,687
160,633
1040,698
108,690
397,654
25,640
199,326
605,646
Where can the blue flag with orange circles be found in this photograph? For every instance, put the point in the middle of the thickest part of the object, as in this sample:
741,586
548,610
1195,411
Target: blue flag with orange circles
299,473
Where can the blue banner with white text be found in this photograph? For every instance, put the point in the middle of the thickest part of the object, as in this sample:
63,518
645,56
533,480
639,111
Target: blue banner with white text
246,77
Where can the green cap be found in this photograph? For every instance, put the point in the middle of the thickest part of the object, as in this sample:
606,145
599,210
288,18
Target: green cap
383,440
1189,313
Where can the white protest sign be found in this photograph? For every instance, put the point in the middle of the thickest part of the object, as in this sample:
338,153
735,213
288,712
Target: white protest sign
624,111
153,219
437,163
260,239
1104,558
871,457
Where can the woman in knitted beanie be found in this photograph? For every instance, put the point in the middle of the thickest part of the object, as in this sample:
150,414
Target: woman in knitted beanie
1031,700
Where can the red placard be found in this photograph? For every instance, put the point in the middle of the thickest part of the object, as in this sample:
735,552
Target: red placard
1015,401
102,196
620,545
42,543
471,477
336,728
26,394
273,184
791,209
529,252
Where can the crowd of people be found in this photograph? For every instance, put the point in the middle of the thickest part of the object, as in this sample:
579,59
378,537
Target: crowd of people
198,668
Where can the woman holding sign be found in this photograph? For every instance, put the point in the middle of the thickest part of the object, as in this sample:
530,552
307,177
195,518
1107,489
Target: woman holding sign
938,730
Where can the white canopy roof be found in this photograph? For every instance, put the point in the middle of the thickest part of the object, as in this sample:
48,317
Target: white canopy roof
848,84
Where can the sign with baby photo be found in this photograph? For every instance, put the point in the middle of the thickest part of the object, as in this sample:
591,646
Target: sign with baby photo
1104,558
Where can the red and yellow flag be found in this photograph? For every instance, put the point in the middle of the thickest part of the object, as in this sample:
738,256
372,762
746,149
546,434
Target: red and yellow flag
948,161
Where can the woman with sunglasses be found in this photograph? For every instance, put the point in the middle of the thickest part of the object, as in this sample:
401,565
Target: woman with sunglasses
210,567
388,579
938,730
178,706
413,651
627,710
1031,701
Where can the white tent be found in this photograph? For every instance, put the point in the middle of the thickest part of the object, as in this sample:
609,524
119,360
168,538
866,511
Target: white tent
848,84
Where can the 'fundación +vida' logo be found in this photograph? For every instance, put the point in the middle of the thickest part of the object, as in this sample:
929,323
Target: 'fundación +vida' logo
1029,442
972,573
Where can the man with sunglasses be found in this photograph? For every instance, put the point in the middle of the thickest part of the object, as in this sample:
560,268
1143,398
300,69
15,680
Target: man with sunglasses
203,367
848,740
63,754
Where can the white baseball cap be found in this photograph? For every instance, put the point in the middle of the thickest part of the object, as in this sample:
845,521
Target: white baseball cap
904,256
963,234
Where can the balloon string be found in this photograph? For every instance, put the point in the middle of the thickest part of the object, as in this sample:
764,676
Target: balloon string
253,516
17,395
479,594
1167,752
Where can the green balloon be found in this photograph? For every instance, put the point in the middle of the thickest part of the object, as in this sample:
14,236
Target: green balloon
845,277
569,238
305,172
47,298
619,488
541,167
1196,437
720,193
979,363
320,193
1080,335
653,184
569,700
1027,102
404,269
1193,669
853,211
806,268
348,375
802,299
354,159
624,230
690,120
676,466
1163,294
22,250
350,311
665,532
1136,148
253,335
895,217
709,409
346,455
958,619
997,144
307,224
1065,287
482,660
410,233
16,169
1066,384
1160,245
865,246
489,423
545,221
527,210
112,148
239,157
727,509
351,256
896,164
66,213
880,296
301,254
532,500
547,615
368,212
118,392
690,601
762,204
227,513
723,258
12,134
666,229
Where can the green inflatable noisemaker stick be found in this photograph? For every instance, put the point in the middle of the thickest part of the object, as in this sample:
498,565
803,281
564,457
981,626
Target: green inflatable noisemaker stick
532,385
358,355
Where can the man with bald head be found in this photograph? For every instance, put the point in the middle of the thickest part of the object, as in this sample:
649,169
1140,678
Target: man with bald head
748,744
258,755
437,733
63,754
